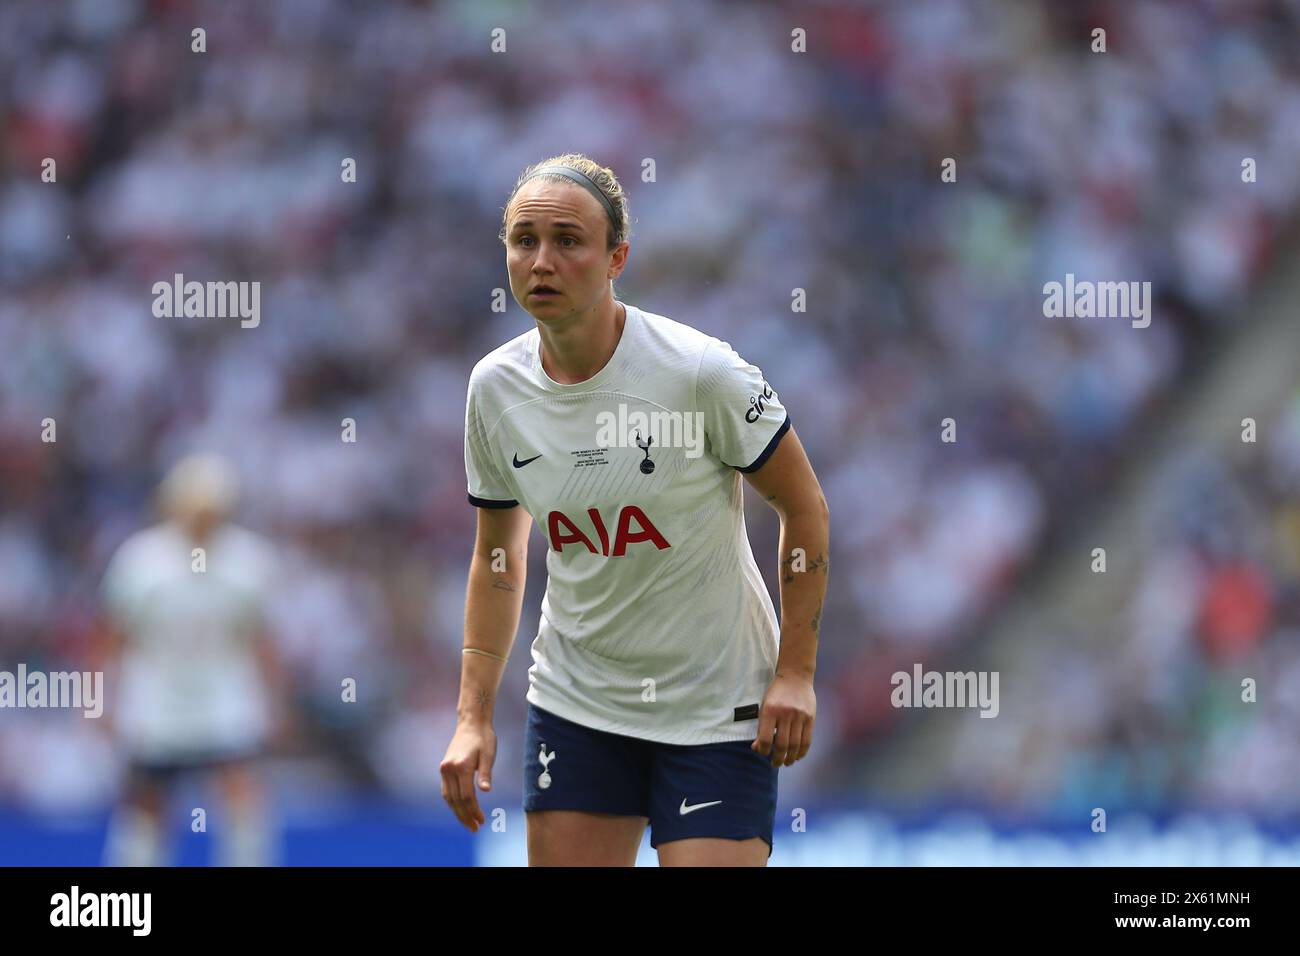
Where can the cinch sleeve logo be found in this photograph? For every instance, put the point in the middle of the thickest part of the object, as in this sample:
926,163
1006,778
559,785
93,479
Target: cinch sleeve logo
572,534
757,405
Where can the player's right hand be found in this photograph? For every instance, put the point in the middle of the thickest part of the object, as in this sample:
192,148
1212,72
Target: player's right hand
473,748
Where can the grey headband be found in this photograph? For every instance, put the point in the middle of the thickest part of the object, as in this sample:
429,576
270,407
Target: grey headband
583,180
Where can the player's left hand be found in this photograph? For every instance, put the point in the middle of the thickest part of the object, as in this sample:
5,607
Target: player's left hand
787,714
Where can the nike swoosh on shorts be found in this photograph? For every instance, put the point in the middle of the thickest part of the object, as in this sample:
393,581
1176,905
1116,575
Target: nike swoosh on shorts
684,809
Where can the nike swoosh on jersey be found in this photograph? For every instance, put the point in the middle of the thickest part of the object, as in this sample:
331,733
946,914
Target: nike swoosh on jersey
520,464
684,809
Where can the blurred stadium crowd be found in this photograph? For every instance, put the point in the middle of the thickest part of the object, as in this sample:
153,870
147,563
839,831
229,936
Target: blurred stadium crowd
1143,704
773,171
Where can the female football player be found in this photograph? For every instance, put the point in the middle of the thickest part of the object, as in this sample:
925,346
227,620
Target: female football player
662,691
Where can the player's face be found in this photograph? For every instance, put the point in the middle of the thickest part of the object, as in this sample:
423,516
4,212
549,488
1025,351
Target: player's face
201,520
555,237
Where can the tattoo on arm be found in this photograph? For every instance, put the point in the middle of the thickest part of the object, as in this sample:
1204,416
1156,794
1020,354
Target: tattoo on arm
787,574
817,618
820,563
501,584
483,699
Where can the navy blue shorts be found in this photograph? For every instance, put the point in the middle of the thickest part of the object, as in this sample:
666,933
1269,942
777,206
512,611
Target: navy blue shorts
165,772
703,790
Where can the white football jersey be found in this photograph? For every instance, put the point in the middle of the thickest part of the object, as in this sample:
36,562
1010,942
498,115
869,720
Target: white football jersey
656,622
189,679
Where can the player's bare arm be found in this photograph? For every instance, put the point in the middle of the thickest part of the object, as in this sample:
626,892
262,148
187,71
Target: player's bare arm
108,657
786,481
493,601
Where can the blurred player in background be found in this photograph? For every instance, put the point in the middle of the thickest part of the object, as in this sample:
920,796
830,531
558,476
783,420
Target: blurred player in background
660,693
194,670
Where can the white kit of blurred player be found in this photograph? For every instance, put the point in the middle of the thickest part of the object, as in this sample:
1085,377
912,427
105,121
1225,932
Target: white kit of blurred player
185,601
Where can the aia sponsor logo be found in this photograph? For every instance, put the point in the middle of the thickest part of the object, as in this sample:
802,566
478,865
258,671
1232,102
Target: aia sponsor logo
564,530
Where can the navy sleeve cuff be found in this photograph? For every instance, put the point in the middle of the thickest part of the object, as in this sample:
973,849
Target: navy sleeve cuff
491,503
767,452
